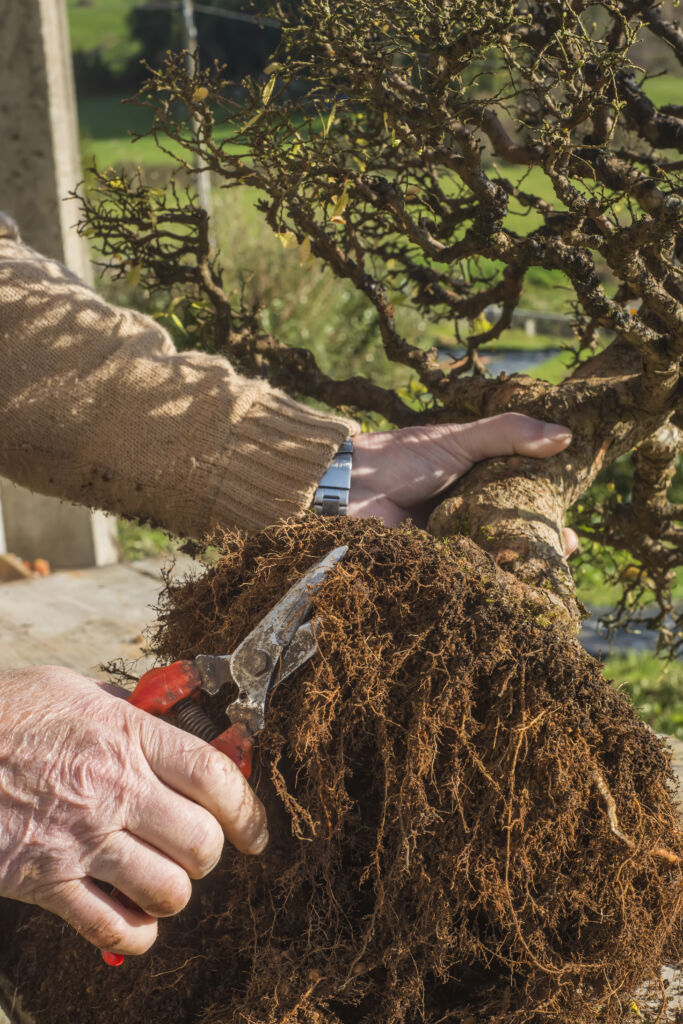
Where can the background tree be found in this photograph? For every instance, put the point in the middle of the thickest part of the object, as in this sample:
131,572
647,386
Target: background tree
399,146
111,40
243,45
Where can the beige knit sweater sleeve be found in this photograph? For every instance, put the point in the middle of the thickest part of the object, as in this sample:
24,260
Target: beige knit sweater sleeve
98,407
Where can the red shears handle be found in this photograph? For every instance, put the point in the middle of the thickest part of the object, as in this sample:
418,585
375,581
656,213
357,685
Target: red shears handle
157,692
160,689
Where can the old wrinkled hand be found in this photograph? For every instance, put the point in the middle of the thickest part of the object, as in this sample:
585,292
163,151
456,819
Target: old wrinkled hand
94,790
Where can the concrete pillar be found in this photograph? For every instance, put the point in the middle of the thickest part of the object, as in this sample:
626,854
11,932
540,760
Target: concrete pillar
3,540
40,164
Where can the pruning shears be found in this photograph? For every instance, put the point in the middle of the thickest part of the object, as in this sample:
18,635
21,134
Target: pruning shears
281,642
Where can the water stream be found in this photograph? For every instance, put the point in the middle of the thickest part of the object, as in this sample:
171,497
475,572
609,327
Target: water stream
509,361
600,645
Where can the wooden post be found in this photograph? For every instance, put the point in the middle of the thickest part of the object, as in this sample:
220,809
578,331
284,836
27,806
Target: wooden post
191,43
40,164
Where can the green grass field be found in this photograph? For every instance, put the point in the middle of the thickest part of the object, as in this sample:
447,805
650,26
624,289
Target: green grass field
107,125
654,686
666,88
100,25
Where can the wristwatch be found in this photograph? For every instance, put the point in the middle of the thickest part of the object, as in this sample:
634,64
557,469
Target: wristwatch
332,494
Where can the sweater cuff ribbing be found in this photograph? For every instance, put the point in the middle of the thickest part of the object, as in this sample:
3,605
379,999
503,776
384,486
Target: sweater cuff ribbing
277,453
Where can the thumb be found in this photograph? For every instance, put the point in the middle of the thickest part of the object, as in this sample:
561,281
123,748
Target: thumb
511,433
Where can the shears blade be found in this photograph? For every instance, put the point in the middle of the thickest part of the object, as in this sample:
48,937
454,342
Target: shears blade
281,642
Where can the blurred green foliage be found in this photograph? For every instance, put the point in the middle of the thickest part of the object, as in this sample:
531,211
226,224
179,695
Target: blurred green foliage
138,540
110,39
100,27
603,574
654,686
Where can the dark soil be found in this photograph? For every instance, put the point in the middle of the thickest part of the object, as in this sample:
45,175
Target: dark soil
468,823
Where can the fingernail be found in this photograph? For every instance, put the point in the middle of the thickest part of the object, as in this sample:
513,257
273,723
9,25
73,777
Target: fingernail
261,843
556,432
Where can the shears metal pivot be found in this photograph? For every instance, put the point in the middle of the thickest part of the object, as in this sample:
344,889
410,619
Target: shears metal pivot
281,642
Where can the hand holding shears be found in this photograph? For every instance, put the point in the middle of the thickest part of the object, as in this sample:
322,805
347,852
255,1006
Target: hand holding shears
281,642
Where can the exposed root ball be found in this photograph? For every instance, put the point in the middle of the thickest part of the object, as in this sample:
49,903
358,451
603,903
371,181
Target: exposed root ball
467,822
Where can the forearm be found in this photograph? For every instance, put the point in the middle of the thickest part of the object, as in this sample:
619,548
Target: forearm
97,407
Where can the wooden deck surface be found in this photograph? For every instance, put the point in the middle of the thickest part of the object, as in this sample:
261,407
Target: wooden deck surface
82,618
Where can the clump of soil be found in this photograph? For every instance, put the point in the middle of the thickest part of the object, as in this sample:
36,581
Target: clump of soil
468,823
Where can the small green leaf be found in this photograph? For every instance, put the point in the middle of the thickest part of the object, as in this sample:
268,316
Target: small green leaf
288,240
177,322
133,276
268,90
253,120
330,121
341,204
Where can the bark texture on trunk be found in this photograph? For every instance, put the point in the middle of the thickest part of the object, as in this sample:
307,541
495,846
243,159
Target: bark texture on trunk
515,508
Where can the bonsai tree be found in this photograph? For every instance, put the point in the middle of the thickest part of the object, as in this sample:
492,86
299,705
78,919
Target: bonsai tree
468,822
439,154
